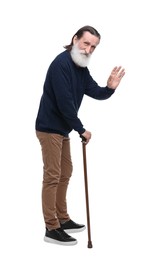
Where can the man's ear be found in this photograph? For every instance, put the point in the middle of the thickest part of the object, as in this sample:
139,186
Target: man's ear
75,38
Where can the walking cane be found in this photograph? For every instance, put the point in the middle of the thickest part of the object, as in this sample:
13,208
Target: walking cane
86,191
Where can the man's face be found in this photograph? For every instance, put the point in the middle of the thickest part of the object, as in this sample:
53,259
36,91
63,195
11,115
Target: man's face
83,48
87,43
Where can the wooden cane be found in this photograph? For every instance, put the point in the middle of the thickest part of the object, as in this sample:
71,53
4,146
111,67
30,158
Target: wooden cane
86,191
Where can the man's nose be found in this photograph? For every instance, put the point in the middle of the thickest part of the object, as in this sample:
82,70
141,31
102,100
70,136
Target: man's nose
88,49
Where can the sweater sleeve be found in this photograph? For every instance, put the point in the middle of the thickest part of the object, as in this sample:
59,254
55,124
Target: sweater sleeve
95,91
61,82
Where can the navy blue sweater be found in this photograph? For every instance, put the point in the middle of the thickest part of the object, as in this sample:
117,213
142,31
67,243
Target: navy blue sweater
64,88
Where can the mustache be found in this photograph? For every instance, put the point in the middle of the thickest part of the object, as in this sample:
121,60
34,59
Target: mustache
85,54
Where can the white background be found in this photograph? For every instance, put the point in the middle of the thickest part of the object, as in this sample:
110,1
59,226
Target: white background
118,156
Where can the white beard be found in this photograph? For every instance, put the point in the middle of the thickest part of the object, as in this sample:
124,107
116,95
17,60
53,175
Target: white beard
79,57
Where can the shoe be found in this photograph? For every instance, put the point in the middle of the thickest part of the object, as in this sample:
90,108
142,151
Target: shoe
59,236
72,227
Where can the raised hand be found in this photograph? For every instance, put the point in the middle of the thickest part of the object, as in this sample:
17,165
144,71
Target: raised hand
115,77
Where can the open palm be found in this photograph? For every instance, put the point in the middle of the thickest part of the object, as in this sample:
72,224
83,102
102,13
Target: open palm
115,77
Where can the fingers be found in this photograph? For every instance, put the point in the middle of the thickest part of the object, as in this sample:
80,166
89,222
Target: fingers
121,73
87,136
118,71
115,70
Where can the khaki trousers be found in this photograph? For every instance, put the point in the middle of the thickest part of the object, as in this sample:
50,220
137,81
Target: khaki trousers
57,170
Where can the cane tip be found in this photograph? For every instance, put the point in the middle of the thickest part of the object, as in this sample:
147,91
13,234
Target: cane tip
90,244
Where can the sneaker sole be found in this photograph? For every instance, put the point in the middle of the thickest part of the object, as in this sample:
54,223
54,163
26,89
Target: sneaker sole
54,241
74,230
